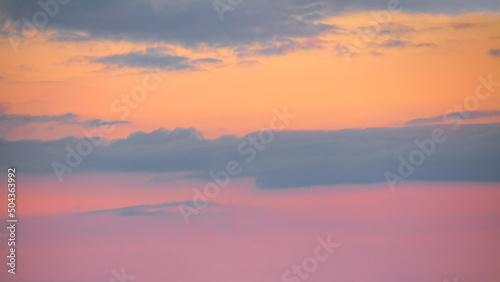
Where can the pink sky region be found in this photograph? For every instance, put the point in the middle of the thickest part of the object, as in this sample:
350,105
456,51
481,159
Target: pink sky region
423,232
238,140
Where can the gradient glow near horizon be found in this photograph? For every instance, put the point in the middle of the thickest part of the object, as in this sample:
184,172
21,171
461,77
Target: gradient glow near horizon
252,140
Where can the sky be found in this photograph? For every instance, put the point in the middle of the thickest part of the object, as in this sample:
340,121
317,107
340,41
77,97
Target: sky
238,140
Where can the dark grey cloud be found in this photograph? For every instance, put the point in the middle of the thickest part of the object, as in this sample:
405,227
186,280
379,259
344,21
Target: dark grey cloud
145,210
192,23
189,23
292,159
15,120
195,23
495,52
455,116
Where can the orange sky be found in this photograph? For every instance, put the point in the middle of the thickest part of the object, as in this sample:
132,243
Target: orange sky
319,85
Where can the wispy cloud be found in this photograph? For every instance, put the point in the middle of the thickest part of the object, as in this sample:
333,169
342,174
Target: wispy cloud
163,209
281,48
403,43
15,120
463,25
464,115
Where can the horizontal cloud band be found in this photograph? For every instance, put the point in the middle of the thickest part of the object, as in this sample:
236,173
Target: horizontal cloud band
292,159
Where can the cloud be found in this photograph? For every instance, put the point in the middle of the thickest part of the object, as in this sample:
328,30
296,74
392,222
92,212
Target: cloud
403,43
146,59
376,54
292,159
8,121
70,36
21,120
100,122
207,61
248,63
189,23
495,52
150,57
281,48
454,116
163,209
195,23
463,25
395,29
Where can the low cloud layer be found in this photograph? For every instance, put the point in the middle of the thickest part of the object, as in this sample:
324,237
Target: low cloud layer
292,159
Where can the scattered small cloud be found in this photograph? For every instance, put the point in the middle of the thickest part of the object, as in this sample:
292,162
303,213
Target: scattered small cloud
403,44
281,48
376,54
395,28
463,25
495,52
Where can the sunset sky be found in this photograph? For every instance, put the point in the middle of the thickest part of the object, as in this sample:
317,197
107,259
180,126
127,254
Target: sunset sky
189,140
